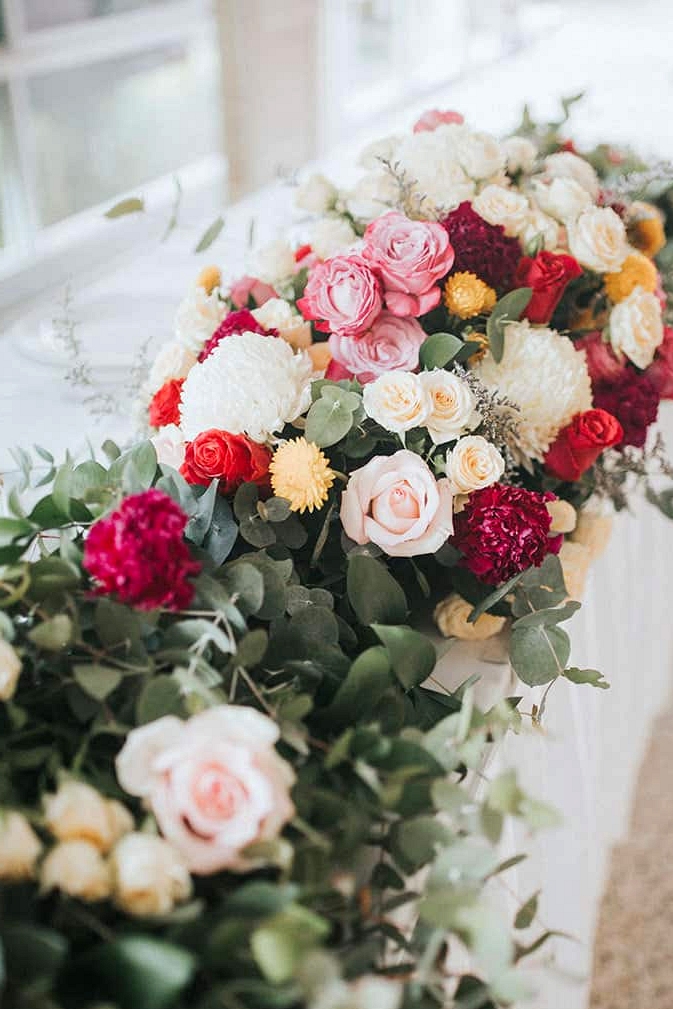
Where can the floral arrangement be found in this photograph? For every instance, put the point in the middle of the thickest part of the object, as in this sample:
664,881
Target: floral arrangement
230,776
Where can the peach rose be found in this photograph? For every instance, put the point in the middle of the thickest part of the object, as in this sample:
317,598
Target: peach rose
214,783
395,502
398,401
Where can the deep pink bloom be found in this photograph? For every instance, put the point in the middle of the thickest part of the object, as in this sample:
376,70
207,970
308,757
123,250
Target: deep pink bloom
432,118
503,530
245,288
633,400
139,555
241,321
602,362
342,295
410,258
482,248
391,344
660,372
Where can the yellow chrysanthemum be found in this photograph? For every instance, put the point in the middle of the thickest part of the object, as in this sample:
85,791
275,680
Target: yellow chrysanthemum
466,295
209,278
637,271
300,473
483,342
646,230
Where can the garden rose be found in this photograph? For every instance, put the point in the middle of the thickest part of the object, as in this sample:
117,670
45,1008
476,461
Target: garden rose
10,670
602,362
165,404
78,869
452,406
232,459
540,227
214,783
499,205
410,257
395,502
597,239
633,400
391,343
398,401
331,236
548,274
149,877
76,811
138,553
636,327
278,316
563,199
473,463
568,165
247,289
479,154
20,846
578,446
274,262
198,315
520,153
342,296
432,118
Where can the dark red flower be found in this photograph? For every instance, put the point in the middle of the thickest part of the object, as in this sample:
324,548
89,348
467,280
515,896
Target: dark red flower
138,553
240,321
232,459
602,362
633,400
548,274
660,372
482,248
578,446
503,530
165,405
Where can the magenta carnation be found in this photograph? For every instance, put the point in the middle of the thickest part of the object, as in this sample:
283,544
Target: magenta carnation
241,321
633,399
503,530
482,248
139,555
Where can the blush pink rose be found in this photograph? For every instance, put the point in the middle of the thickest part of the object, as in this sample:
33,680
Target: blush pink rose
410,257
250,287
602,362
342,295
432,118
391,344
395,502
215,783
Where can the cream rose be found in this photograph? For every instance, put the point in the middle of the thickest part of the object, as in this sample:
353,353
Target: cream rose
10,670
278,314
331,236
78,869
499,205
372,195
20,846
480,154
566,165
397,401
396,502
214,783
636,327
452,405
563,516
474,463
174,360
451,617
540,226
520,153
597,239
197,318
274,262
563,199
78,812
316,194
149,876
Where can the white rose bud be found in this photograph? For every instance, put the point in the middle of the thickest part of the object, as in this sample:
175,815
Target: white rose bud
636,327
520,153
10,670
276,313
597,239
566,165
78,869
563,199
149,876
331,236
78,812
453,406
397,401
451,617
473,464
20,846
317,195
274,262
499,205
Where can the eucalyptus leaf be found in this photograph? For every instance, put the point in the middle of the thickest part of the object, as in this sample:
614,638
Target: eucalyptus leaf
412,654
439,349
210,235
539,654
508,309
96,680
374,594
131,205
590,676
54,634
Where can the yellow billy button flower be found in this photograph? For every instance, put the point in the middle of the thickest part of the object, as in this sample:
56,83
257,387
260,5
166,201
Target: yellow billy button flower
637,271
645,228
465,295
209,278
301,474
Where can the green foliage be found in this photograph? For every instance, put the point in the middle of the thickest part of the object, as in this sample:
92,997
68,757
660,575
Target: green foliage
509,308
439,349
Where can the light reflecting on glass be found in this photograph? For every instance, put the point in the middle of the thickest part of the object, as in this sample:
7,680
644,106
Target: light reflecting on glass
109,127
13,210
373,37
39,14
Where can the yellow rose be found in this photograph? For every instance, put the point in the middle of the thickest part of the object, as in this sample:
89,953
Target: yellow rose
474,463
78,869
78,812
10,670
149,876
397,401
451,619
19,846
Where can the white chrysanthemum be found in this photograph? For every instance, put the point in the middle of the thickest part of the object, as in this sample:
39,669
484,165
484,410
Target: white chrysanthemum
197,318
430,161
331,236
174,360
545,376
250,384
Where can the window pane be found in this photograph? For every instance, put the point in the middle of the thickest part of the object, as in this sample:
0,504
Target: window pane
109,127
14,229
39,14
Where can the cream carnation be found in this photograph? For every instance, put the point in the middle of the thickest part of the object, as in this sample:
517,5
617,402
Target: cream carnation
20,846
636,327
274,262
545,376
331,236
78,869
278,314
317,195
499,205
563,199
520,154
474,463
149,877
10,670
566,165
452,408
250,384
197,318
597,239
397,401
174,360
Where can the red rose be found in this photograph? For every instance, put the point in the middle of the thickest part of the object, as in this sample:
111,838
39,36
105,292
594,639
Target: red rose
580,443
633,400
165,405
232,459
548,274
660,372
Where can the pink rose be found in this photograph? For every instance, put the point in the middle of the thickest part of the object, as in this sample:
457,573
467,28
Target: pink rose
342,296
395,502
214,783
660,372
391,344
432,118
410,257
250,287
602,362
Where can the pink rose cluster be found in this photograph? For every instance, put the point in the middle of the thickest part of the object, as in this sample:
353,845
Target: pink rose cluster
369,301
